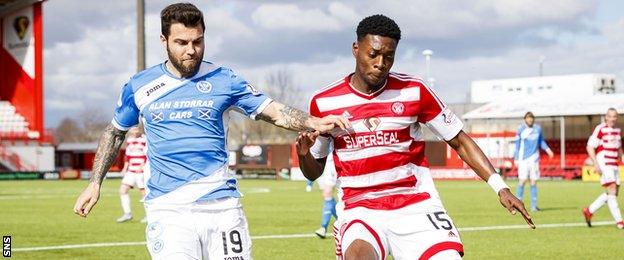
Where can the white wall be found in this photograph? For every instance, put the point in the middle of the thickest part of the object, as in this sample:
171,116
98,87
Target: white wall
566,86
42,157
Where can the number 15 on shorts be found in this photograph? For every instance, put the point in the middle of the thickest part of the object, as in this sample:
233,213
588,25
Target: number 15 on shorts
440,220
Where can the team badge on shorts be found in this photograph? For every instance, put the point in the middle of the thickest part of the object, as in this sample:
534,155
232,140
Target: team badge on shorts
203,86
157,246
398,108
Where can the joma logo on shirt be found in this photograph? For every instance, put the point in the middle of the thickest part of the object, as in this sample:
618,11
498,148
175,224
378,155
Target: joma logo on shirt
154,88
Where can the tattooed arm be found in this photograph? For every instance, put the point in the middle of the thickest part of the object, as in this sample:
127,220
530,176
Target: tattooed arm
107,151
294,119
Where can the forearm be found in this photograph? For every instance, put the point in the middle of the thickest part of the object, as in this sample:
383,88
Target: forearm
311,167
107,151
468,150
592,155
287,117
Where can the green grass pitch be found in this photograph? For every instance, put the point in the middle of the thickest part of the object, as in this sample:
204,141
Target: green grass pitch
39,213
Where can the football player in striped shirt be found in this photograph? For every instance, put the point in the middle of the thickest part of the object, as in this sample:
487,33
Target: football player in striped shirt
134,162
605,150
389,203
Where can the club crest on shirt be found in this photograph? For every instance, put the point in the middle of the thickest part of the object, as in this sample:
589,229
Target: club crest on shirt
203,86
398,108
372,123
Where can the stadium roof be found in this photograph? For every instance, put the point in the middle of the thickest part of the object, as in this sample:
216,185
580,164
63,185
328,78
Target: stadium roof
548,107
8,6
77,147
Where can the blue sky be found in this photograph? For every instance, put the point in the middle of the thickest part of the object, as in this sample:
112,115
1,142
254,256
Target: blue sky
90,45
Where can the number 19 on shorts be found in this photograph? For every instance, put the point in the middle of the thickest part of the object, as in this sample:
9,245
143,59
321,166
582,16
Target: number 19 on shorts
232,242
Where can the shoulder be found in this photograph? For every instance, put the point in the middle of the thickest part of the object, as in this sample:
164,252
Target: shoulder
146,76
336,88
402,80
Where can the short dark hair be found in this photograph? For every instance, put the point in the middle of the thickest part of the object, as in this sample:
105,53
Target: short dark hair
378,24
184,13
529,114
612,109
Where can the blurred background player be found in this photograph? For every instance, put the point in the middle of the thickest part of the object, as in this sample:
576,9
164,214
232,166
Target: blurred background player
327,182
529,139
309,185
134,163
605,149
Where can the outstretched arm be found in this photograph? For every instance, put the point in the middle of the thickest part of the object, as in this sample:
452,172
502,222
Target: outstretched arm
294,119
468,150
108,147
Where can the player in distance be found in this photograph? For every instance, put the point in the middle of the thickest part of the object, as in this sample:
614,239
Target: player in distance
604,147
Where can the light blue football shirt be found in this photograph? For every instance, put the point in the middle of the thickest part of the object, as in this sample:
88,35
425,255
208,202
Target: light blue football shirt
185,122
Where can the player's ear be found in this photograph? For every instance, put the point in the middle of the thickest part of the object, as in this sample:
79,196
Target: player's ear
354,49
163,40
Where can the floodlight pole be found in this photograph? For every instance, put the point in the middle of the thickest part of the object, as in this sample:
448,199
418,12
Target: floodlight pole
427,53
140,35
562,141
541,65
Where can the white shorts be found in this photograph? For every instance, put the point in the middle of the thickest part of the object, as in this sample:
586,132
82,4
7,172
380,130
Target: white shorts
134,180
609,175
415,232
197,231
528,170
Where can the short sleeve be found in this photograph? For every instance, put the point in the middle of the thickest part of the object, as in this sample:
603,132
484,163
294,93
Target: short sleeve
246,97
126,112
594,139
437,116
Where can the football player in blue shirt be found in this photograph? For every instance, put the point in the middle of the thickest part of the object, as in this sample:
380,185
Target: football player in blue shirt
192,202
529,140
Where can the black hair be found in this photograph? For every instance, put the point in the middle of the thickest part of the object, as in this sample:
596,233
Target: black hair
529,114
378,24
184,13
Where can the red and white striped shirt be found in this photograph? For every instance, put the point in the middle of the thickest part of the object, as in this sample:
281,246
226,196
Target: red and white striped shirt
607,142
136,154
379,162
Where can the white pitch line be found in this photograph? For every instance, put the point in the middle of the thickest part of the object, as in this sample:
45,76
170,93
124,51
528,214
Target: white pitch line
466,229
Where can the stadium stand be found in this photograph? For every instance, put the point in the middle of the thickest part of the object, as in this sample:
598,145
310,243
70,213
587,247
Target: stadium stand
12,124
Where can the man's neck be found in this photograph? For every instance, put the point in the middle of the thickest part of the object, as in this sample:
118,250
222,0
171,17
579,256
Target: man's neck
359,84
169,66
